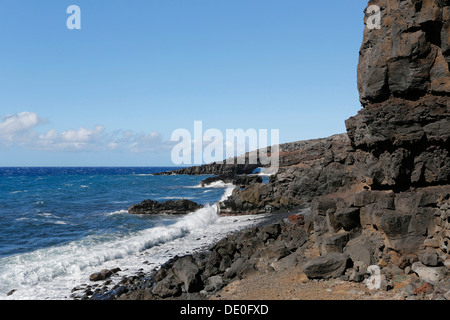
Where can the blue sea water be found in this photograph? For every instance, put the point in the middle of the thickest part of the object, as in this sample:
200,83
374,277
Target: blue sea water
59,224
42,207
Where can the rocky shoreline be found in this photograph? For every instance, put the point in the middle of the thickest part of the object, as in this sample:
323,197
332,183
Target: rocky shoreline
138,286
297,242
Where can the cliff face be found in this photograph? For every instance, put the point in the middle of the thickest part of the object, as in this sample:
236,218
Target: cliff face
383,195
404,86
401,136
409,56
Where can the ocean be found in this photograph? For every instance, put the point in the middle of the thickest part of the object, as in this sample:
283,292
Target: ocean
59,225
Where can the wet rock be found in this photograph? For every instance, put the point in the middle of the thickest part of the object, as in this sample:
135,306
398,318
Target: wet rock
240,181
11,292
169,207
398,58
104,274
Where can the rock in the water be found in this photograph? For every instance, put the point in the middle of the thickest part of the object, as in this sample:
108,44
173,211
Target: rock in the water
102,275
169,207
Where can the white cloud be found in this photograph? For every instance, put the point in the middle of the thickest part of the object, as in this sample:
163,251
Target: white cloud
17,127
20,130
12,124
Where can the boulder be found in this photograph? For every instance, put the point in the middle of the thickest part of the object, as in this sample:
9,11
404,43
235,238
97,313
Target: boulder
429,258
271,253
330,265
347,218
336,243
235,268
170,286
429,274
224,247
294,238
360,251
216,282
104,274
401,231
187,270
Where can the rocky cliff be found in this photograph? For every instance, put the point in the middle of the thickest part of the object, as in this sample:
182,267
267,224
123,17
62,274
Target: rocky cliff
401,144
409,56
400,139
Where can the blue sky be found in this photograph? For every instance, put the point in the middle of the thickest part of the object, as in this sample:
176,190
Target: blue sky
112,93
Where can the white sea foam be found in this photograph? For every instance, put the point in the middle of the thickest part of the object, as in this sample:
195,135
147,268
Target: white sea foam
267,172
117,212
18,191
51,273
45,214
216,184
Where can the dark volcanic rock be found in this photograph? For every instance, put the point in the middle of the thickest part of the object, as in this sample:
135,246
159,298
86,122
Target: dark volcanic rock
235,257
104,274
409,56
331,265
186,269
226,178
404,86
169,207
405,143
308,169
